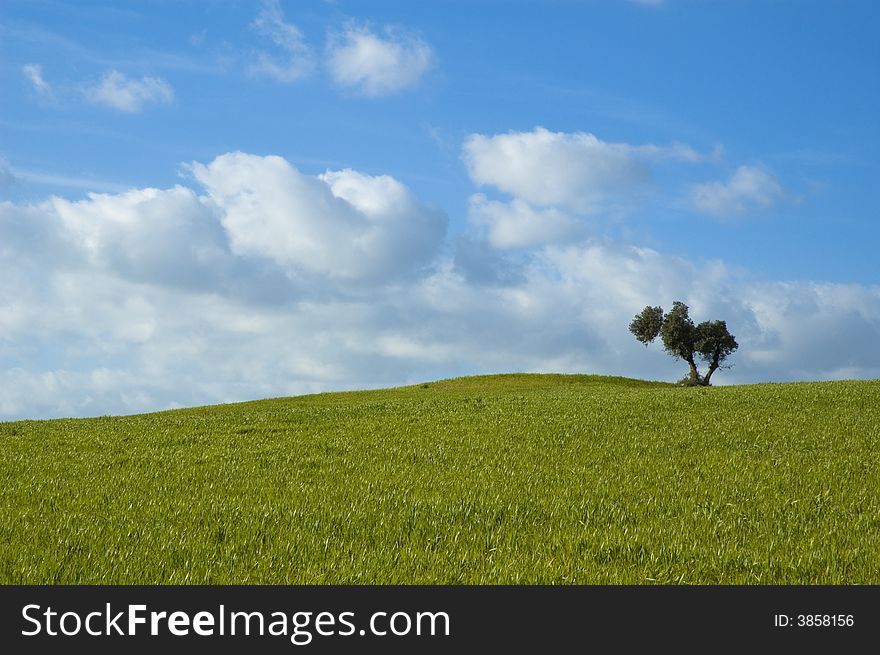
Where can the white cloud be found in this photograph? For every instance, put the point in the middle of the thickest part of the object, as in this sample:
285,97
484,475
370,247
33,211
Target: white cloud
161,237
68,181
117,91
262,281
576,171
377,65
34,74
342,225
815,329
516,224
298,60
8,179
748,189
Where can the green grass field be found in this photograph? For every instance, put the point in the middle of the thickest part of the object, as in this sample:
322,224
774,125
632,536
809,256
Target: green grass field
497,479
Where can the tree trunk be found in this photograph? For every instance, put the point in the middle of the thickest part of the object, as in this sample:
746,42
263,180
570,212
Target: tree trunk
712,367
695,376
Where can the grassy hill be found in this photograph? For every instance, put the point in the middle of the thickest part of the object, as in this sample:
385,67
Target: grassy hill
494,479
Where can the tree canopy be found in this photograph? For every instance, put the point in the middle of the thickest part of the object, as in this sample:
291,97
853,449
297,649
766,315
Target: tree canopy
710,341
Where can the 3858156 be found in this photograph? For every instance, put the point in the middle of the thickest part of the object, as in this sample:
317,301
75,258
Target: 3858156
814,620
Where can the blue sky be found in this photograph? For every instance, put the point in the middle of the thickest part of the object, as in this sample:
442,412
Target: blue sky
214,201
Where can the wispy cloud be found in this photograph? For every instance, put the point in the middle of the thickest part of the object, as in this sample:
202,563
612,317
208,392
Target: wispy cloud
27,176
117,91
297,60
7,177
34,74
748,189
377,65
137,54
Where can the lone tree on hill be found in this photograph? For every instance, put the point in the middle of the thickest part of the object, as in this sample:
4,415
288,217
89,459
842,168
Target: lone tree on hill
710,340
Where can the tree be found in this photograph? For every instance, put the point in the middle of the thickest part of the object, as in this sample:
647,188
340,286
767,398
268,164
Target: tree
709,341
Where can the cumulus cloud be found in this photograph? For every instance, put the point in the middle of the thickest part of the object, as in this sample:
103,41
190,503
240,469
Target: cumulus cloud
516,224
259,280
377,65
815,329
156,236
34,74
117,91
748,189
577,171
297,60
343,224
